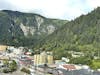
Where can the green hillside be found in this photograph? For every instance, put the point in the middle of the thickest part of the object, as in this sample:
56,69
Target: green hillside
81,34
25,29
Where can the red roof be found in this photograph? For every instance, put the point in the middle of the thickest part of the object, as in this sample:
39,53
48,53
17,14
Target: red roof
69,67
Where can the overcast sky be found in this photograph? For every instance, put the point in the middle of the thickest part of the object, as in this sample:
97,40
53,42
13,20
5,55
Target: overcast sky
62,9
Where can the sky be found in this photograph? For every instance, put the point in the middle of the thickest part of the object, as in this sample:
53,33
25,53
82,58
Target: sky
58,9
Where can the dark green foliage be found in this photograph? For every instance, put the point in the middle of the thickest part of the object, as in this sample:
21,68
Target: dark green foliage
5,70
25,70
81,60
95,64
11,66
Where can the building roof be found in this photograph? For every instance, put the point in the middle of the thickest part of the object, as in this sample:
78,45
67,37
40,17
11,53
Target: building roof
69,67
3,47
79,72
4,57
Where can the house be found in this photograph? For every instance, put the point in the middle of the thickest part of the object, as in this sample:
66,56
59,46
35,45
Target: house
65,59
17,51
1,64
4,58
76,54
25,61
3,48
27,53
59,62
68,67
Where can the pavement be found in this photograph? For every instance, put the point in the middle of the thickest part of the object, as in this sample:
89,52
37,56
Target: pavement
14,73
79,72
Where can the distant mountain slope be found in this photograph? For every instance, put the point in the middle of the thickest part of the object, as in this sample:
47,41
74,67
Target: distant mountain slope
25,29
82,34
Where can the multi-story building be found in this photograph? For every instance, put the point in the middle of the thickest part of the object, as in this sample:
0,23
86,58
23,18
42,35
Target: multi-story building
43,58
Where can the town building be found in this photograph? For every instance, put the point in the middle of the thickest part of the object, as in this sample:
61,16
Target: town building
43,58
3,48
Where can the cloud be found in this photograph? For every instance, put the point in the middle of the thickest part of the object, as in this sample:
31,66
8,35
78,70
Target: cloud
62,9
5,5
93,3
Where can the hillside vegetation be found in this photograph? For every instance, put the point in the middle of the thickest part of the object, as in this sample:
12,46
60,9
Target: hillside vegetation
25,29
80,35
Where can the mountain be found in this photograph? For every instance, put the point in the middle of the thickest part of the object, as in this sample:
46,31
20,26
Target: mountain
25,29
81,34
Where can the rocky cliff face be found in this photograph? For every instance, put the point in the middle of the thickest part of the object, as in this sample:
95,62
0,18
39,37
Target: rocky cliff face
18,28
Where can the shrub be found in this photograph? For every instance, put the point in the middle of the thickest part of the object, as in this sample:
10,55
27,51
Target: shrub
5,70
25,70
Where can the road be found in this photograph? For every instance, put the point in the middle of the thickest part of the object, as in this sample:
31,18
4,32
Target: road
14,73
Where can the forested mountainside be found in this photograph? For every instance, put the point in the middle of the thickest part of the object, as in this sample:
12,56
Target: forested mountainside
81,34
25,29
